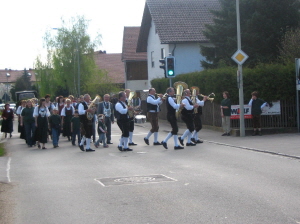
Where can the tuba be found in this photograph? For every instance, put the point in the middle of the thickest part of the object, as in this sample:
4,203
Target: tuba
179,86
93,105
195,90
130,103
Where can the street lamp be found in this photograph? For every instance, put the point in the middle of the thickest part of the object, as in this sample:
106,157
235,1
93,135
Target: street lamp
7,75
78,62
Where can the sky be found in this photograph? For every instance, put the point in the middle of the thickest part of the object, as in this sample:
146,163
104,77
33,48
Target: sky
23,24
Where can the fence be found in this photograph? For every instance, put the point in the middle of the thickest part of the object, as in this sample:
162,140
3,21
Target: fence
211,116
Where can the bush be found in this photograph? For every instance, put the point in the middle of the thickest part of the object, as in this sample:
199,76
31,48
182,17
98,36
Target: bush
273,81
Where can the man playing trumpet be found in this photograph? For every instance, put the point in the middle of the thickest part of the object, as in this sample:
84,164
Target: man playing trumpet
187,117
152,114
171,117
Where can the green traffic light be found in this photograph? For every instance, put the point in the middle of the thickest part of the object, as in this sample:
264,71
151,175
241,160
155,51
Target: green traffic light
171,72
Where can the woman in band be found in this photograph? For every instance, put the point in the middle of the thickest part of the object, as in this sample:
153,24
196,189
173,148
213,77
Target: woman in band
41,114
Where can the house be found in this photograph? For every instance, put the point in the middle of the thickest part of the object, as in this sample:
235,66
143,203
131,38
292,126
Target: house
135,63
175,27
112,64
8,78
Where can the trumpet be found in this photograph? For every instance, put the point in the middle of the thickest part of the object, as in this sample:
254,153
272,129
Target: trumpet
208,97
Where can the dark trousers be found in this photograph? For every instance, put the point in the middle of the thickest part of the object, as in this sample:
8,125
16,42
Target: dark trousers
153,118
74,133
124,127
131,125
173,121
197,122
188,120
87,128
256,121
30,132
108,128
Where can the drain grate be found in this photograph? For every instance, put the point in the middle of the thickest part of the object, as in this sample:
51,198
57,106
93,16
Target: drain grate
134,180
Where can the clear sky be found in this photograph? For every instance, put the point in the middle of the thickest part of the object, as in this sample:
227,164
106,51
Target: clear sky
23,24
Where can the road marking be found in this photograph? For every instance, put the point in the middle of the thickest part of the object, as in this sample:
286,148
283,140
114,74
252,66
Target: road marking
254,149
8,169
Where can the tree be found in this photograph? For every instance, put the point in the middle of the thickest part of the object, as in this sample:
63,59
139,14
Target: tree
263,24
22,83
290,48
60,73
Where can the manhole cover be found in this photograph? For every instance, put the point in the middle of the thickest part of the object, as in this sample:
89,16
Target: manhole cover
134,180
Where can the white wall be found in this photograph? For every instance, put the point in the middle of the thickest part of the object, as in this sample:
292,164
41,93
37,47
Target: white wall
137,85
187,56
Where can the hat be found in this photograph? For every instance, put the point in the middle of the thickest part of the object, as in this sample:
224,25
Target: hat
55,108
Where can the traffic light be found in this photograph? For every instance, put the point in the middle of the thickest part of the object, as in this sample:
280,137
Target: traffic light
163,65
170,66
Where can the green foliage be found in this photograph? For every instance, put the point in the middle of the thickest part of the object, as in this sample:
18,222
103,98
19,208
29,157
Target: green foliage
69,51
290,47
260,40
2,149
22,83
273,81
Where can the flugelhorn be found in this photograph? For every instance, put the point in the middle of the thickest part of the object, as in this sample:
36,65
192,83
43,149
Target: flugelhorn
208,97
130,103
179,86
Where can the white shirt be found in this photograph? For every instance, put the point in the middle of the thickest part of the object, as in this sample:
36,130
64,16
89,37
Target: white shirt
187,103
172,103
63,111
81,110
151,99
38,111
200,103
19,110
120,108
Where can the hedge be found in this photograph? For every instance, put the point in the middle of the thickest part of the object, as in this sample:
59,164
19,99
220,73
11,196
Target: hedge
272,81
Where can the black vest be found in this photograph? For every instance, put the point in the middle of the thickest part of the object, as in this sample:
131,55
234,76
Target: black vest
83,117
199,110
151,106
185,111
121,117
170,109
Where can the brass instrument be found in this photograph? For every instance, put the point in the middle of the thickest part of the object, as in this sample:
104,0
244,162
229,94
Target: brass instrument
93,105
130,103
179,86
195,90
208,97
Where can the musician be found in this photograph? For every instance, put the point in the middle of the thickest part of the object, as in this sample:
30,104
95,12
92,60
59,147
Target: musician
171,117
86,124
107,109
121,113
187,117
131,120
152,114
197,120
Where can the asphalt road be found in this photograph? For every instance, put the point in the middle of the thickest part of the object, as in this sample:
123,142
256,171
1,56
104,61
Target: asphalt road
209,183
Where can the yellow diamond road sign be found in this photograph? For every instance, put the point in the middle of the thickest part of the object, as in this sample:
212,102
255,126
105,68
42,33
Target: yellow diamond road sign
240,57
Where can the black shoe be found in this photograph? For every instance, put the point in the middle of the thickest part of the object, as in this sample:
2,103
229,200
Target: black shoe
181,141
178,147
224,134
157,143
146,141
128,149
120,148
109,143
228,134
10,135
73,144
39,146
69,138
164,144
81,147
198,141
190,144
54,146
90,150
259,133
193,140
132,143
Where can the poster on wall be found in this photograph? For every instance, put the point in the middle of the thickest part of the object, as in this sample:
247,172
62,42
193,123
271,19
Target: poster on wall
272,108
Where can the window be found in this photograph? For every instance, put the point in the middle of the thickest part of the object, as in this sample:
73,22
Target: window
152,59
162,52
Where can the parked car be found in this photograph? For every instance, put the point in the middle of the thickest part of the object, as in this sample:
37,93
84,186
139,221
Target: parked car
12,106
2,106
